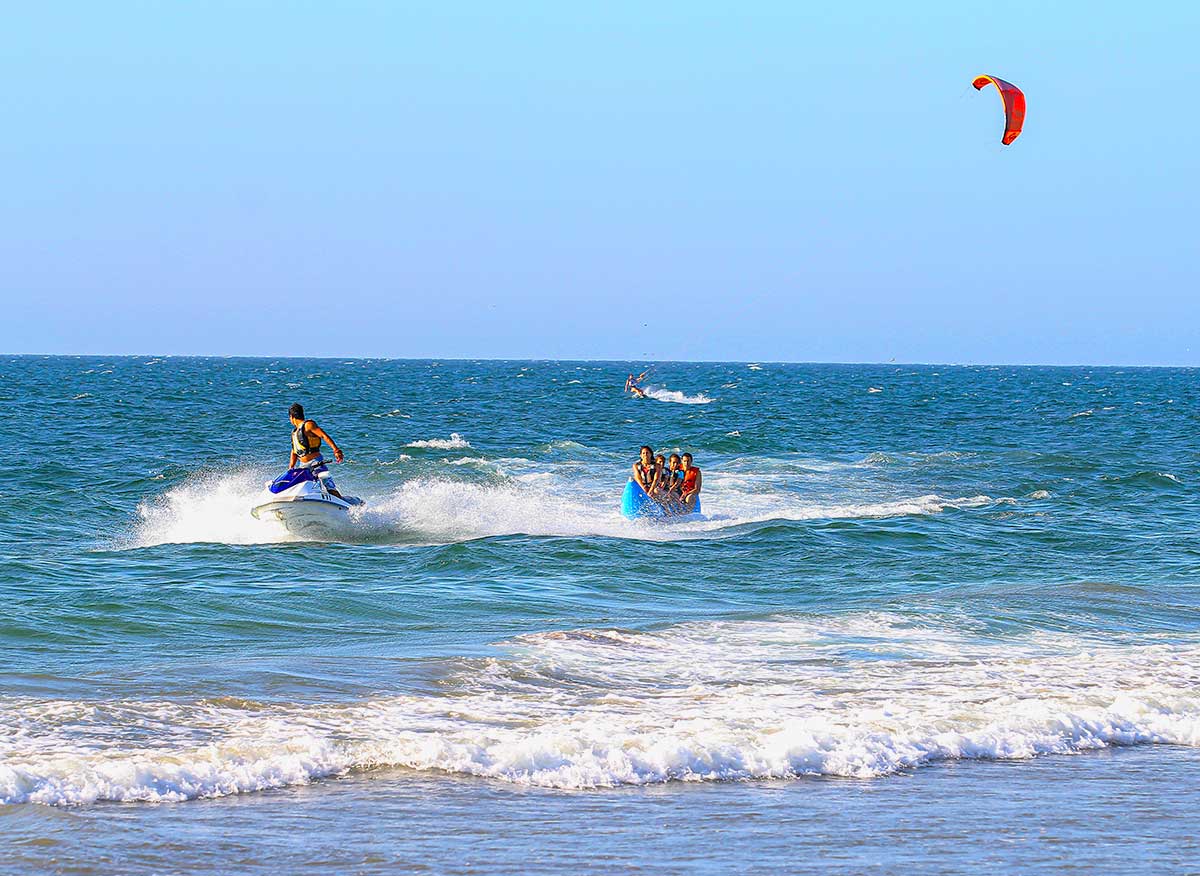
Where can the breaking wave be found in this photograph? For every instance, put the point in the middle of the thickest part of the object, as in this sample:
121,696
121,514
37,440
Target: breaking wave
861,695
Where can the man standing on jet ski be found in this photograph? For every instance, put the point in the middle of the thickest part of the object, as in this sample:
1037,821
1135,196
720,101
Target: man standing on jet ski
306,444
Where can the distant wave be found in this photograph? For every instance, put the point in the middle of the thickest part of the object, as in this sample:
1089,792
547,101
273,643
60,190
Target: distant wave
1145,478
914,459
454,442
595,708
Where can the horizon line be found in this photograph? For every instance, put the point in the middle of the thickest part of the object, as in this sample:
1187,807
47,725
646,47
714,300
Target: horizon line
360,358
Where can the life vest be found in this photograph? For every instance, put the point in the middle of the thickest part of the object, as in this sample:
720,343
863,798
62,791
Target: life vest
301,445
689,479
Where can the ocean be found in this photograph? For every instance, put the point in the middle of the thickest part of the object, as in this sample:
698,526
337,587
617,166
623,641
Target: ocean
933,618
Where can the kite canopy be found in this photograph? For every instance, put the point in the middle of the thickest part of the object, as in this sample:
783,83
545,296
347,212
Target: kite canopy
1014,105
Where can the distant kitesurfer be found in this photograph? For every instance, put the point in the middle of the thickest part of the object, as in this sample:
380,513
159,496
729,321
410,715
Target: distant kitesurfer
631,384
306,444
689,493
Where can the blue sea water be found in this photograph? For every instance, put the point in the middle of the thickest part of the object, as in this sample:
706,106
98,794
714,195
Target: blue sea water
931,618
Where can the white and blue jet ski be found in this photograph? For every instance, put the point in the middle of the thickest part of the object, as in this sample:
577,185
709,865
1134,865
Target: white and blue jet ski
300,501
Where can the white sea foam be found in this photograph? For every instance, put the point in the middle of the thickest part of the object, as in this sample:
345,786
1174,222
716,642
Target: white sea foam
675,397
861,696
208,507
521,497
563,489
454,442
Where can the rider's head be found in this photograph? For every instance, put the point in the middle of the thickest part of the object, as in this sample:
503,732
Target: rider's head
296,412
647,454
674,460
687,460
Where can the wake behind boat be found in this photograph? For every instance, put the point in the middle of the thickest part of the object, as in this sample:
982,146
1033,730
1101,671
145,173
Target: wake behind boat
300,502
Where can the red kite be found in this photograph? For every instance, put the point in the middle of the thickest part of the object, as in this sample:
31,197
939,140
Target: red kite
1014,105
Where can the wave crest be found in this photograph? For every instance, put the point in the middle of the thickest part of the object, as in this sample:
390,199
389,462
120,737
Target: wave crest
712,701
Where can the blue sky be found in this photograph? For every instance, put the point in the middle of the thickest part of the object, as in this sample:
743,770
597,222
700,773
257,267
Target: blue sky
764,181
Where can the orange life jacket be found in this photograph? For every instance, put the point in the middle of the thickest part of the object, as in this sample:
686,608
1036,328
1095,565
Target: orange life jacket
689,479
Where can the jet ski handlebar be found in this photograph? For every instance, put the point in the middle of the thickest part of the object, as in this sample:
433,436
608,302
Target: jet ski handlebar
315,463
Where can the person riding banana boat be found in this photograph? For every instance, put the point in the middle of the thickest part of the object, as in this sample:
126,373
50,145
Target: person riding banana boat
662,487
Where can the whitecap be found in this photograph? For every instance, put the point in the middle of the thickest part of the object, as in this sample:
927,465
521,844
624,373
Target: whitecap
454,442
676,397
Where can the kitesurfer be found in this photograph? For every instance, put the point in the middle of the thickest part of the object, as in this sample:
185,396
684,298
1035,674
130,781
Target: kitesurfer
631,384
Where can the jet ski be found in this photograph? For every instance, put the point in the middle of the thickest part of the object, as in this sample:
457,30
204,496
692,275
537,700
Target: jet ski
300,501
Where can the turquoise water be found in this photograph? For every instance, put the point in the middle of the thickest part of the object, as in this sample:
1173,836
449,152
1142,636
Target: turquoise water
914,592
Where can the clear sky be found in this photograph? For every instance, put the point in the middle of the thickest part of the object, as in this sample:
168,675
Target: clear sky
758,181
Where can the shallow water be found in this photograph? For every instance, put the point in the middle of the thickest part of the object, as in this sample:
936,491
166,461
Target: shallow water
912,586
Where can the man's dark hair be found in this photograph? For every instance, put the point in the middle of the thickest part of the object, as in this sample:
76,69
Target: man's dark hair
296,411
687,456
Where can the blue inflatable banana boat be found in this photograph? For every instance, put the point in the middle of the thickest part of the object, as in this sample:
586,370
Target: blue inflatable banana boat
635,505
